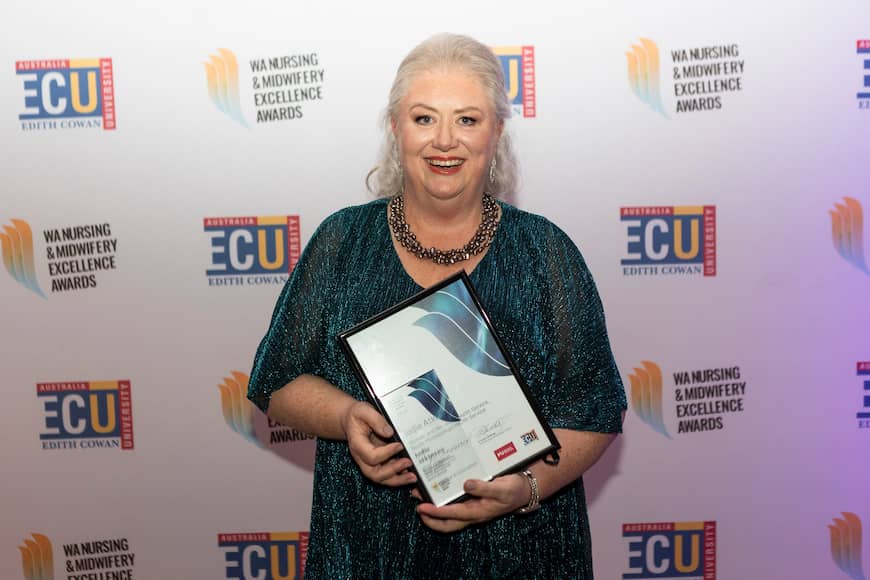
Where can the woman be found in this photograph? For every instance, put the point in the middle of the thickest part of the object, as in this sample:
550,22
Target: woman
445,149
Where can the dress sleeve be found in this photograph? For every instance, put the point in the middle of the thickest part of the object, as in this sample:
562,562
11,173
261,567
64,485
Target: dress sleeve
587,390
297,333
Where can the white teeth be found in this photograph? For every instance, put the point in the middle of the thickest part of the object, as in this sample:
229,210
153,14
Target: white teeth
443,163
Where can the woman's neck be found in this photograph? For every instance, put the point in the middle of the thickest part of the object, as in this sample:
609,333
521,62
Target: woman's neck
443,223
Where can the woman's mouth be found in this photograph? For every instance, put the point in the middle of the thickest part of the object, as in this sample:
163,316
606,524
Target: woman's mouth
445,165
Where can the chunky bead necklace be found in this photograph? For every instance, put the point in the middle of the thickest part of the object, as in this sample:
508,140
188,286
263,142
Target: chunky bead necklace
481,240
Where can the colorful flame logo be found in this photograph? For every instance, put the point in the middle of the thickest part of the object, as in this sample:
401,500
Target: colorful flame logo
222,76
643,74
16,245
37,560
846,545
238,410
646,395
847,230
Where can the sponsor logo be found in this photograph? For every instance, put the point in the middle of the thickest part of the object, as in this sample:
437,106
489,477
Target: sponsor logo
222,78
243,417
264,555
644,74
646,395
74,255
37,558
276,88
847,230
846,545
702,77
862,48
86,415
67,94
671,550
864,375
505,451
518,65
529,437
669,240
702,398
251,250
89,560
238,410
16,244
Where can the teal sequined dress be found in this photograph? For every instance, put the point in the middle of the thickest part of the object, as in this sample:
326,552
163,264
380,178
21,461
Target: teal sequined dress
542,301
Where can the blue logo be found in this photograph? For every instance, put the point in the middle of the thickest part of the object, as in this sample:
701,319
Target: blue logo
264,555
863,51
671,550
455,321
670,240
427,389
67,93
252,250
86,415
864,375
518,66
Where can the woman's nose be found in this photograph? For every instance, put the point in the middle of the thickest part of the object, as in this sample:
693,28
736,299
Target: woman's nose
444,137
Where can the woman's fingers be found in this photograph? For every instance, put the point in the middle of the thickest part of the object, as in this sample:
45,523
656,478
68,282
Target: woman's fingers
441,525
489,500
365,414
363,449
366,430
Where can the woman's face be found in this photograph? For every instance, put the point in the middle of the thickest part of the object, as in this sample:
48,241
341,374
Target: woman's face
446,130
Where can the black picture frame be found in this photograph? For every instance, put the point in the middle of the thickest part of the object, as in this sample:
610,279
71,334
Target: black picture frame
550,444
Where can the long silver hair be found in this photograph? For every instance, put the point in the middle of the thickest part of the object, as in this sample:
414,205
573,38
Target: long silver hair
447,50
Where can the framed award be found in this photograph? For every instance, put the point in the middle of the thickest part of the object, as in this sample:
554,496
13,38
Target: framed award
434,366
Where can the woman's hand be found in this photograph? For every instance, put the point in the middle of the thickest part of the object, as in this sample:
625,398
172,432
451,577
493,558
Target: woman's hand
366,432
489,500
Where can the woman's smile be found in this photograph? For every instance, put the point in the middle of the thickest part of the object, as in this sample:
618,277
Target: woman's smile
445,165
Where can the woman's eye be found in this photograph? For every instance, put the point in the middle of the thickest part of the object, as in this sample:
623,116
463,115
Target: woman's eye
423,119
467,120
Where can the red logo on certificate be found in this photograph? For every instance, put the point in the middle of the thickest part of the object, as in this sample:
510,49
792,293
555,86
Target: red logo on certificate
505,451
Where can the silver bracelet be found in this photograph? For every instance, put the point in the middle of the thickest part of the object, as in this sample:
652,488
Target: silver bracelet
534,497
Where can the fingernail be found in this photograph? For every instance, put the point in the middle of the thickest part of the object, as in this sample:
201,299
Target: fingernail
470,486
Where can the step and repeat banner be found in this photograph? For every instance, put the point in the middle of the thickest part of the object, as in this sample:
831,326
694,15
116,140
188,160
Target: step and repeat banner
163,168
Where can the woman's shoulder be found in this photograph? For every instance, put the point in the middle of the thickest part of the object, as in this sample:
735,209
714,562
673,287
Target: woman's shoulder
343,228
533,226
350,218
362,212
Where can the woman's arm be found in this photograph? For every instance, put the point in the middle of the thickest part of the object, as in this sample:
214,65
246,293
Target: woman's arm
312,405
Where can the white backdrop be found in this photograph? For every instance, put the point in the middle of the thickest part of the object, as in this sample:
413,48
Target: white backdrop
784,309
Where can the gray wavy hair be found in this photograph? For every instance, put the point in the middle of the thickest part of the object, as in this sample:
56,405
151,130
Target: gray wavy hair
447,50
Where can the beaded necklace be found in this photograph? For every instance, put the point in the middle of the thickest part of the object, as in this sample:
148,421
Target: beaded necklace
479,242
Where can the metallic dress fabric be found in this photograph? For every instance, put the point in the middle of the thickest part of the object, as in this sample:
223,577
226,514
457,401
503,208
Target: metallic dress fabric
541,299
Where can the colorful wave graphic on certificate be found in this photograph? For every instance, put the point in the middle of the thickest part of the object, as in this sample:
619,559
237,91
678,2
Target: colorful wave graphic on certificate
427,389
451,318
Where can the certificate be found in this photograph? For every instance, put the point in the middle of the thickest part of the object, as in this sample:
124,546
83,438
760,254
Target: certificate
435,368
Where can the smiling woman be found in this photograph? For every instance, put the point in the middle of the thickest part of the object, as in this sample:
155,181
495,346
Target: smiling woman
446,131
448,53
446,158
